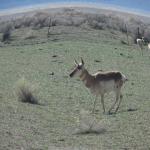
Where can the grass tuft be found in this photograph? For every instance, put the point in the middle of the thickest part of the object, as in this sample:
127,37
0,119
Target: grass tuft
29,35
88,124
25,92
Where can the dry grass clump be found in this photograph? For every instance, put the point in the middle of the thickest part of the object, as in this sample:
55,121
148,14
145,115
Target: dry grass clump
6,32
25,92
29,35
89,124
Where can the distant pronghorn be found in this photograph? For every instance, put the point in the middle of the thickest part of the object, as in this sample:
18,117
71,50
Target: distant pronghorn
140,43
101,83
148,46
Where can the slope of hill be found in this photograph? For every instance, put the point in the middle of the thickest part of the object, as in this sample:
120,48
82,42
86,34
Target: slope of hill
46,61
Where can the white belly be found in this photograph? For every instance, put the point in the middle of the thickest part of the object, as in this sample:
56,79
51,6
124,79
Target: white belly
107,86
104,87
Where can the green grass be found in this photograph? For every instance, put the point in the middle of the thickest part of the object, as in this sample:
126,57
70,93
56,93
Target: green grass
51,124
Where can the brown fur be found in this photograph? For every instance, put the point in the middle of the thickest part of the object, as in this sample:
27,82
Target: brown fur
106,76
94,79
101,83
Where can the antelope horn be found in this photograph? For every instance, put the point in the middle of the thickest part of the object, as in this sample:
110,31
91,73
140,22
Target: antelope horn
75,62
82,61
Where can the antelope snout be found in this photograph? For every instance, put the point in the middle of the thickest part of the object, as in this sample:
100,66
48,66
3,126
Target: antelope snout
71,75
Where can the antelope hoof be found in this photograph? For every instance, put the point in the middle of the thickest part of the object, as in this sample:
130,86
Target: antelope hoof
110,113
103,112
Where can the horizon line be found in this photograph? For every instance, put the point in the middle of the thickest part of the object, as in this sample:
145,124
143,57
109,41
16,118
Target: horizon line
23,9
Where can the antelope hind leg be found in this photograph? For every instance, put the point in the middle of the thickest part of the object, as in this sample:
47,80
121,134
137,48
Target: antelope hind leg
94,105
102,101
117,98
121,96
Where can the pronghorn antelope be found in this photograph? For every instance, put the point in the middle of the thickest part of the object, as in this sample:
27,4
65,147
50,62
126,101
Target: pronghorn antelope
148,46
101,83
140,43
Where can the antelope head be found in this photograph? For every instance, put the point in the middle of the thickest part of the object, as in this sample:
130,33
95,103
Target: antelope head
79,68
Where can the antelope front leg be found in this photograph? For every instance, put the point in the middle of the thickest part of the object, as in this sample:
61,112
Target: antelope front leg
142,51
94,105
141,48
102,101
121,96
117,98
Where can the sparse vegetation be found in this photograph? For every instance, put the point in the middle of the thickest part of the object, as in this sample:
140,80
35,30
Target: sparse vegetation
6,32
48,62
6,36
25,92
132,27
89,124
29,35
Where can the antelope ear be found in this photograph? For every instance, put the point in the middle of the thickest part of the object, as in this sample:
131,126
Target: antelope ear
82,61
75,62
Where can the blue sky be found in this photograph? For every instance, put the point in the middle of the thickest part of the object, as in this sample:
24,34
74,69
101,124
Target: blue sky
139,5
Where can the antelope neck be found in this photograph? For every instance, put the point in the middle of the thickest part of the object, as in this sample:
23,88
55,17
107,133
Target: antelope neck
84,75
87,78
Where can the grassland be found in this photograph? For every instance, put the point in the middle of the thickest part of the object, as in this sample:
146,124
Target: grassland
47,63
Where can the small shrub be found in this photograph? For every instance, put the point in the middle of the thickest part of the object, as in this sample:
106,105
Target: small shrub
6,33
29,35
89,124
24,92
6,36
40,20
123,42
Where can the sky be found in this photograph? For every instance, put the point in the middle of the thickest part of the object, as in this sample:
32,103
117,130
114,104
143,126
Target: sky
138,5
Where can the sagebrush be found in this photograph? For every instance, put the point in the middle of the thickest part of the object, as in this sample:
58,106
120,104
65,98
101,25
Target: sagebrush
25,91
